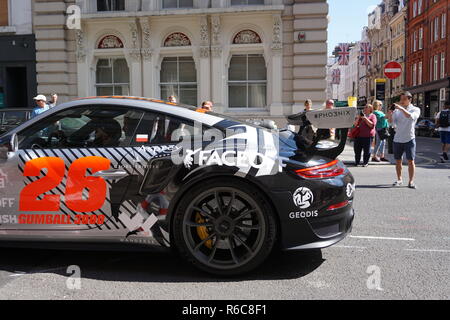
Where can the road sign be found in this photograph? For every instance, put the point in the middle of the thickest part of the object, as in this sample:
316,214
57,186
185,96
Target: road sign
380,89
392,70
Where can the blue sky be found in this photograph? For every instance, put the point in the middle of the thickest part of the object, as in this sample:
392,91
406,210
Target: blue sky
347,18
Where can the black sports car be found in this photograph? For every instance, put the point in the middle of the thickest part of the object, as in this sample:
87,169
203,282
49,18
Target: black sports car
142,172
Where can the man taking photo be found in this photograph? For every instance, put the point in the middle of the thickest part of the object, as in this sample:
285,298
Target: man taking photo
443,125
404,117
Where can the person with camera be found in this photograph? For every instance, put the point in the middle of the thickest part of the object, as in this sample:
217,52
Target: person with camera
382,133
366,123
404,117
443,125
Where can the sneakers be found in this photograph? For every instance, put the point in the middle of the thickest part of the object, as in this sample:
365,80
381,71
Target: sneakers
398,183
412,185
445,156
384,160
374,159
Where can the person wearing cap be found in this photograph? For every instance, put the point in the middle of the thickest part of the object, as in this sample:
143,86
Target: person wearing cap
404,118
41,105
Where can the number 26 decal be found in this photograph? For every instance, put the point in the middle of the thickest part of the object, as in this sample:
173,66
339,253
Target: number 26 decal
77,181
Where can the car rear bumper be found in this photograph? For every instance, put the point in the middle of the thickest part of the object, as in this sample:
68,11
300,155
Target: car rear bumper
324,233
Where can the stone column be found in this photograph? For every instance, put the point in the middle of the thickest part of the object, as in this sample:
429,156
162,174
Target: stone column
310,55
148,69
56,65
276,107
134,59
217,65
204,81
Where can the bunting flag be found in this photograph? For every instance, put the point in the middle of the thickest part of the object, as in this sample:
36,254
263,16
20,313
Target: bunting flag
365,54
343,54
336,76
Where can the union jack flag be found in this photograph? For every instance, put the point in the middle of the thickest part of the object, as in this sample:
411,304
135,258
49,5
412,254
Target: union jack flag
336,76
344,54
365,54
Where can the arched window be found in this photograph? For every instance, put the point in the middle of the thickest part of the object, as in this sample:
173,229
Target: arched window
179,78
112,77
247,81
177,39
110,42
246,37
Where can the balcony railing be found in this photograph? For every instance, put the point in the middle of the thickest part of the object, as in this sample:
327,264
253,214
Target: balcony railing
117,6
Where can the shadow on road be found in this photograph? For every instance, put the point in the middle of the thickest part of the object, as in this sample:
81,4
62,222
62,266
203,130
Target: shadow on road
148,266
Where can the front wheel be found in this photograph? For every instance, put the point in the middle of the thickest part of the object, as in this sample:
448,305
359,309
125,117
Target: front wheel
224,227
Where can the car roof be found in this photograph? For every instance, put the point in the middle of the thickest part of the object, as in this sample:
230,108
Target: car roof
168,108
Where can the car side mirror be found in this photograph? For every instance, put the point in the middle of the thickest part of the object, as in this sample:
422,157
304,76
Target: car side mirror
7,145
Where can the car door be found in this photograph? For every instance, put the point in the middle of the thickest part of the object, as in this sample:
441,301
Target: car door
66,166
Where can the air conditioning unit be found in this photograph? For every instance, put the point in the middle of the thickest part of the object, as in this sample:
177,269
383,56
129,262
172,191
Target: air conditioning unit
442,94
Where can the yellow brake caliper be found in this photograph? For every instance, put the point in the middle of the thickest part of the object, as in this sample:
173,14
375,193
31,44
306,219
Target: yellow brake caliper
202,232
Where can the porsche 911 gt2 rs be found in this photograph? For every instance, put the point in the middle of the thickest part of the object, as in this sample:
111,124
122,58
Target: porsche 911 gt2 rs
140,172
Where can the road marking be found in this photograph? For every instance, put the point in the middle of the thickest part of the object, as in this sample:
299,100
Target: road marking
349,247
382,238
428,250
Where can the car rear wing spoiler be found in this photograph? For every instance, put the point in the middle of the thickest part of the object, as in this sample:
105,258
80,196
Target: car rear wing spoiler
340,119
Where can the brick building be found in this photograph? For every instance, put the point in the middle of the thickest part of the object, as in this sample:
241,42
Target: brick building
428,49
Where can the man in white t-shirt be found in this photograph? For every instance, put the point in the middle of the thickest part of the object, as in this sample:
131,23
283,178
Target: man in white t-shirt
404,118
443,125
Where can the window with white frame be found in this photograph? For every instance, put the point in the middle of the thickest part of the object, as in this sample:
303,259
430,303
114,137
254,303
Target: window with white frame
112,77
178,78
444,26
436,29
435,67
431,69
247,81
414,74
415,41
420,38
419,73
414,8
246,2
442,65
110,5
419,7
431,31
171,4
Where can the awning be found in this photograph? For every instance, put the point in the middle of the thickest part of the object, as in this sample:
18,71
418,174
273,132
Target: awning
431,86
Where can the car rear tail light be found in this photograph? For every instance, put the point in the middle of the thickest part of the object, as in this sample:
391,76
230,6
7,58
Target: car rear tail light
338,205
324,171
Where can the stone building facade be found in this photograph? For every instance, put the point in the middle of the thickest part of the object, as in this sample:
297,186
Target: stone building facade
253,58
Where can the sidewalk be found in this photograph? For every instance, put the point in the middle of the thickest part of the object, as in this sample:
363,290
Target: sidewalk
348,157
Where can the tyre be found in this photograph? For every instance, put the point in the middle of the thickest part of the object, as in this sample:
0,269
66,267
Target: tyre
224,227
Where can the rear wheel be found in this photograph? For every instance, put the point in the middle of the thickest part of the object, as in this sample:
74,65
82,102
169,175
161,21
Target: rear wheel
224,227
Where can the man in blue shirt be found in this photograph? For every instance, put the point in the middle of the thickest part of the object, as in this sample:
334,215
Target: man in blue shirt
41,105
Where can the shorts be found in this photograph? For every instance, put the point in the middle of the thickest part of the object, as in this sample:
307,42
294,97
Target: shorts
445,137
409,148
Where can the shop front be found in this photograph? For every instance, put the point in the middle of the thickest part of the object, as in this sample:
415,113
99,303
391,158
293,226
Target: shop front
430,97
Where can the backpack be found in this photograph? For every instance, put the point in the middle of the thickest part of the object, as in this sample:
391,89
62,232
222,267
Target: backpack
444,119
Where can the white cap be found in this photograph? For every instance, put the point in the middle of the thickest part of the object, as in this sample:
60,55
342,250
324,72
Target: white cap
40,97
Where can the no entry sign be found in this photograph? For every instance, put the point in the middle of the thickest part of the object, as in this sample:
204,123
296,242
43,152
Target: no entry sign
392,70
